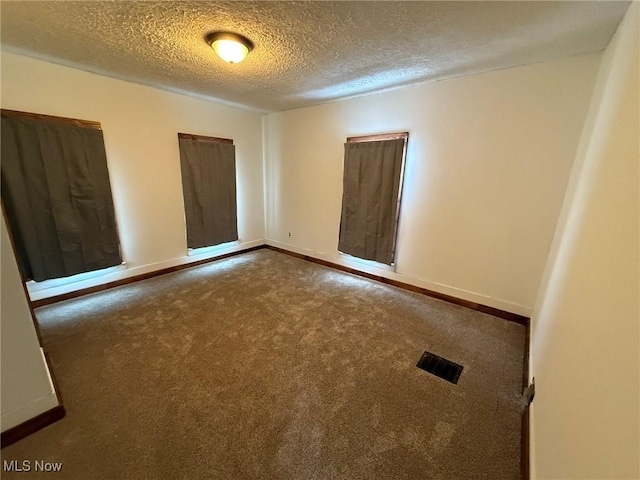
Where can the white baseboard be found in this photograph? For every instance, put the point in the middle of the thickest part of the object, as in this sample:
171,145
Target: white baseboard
344,260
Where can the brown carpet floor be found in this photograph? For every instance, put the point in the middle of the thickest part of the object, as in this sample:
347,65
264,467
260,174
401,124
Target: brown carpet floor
265,366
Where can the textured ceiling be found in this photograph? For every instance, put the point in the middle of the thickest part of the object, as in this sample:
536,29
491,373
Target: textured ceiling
306,52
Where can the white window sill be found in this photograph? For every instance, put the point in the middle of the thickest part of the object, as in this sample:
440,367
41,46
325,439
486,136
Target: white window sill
33,286
194,252
367,263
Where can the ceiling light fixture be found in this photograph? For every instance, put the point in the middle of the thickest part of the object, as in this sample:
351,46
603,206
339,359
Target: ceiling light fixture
230,47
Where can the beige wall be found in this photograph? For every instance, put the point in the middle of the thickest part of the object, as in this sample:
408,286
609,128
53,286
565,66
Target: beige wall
488,161
140,126
585,328
27,390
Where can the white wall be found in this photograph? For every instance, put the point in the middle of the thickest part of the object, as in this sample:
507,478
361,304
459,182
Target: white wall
488,161
586,325
140,126
27,390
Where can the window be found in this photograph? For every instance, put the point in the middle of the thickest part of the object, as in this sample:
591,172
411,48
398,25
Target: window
372,187
57,196
208,167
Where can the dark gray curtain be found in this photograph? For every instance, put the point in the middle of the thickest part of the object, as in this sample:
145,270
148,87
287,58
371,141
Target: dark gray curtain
371,184
57,198
209,190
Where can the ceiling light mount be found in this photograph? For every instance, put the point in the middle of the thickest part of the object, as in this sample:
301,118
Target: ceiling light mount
230,47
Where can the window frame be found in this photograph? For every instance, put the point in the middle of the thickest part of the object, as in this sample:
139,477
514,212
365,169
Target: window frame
30,284
52,118
204,138
378,137
208,249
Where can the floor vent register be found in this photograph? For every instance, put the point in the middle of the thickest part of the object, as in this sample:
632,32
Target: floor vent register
440,367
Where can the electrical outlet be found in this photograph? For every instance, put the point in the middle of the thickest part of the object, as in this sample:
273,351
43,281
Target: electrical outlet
289,233
530,391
